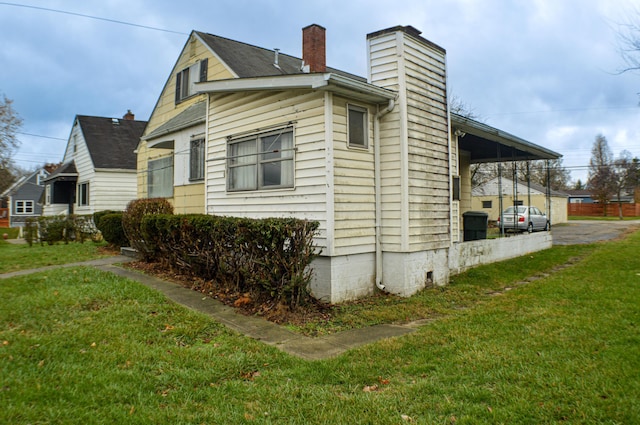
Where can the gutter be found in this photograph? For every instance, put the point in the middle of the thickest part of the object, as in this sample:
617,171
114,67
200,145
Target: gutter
378,188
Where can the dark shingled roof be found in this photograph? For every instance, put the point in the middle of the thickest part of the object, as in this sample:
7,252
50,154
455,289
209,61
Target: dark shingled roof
250,61
194,114
111,141
66,169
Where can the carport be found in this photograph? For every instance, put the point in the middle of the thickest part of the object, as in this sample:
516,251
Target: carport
485,144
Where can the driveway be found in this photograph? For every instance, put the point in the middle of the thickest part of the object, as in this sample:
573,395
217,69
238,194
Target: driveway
588,231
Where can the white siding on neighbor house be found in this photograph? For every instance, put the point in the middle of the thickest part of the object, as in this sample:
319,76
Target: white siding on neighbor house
84,167
111,190
245,113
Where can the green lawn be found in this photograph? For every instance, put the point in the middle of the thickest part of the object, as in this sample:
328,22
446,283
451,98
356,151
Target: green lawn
21,257
80,346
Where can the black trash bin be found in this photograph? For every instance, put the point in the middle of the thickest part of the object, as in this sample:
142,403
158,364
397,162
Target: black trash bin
474,224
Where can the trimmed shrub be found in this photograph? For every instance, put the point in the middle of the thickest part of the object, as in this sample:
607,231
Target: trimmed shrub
266,258
110,226
132,221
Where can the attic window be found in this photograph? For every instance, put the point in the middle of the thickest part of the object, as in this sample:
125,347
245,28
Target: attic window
186,79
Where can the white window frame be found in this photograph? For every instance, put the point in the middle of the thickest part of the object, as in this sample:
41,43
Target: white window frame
83,194
24,207
351,129
160,169
47,194
257,161
196,159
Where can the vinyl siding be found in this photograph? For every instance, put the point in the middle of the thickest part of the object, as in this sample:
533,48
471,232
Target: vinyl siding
384,72
166,107
247,113
354,185
428,151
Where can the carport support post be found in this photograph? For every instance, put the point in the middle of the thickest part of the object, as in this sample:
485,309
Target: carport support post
528,184
501,229
548,191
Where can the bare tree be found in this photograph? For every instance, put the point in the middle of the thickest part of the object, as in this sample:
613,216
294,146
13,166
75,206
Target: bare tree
601,180
629,41
10,123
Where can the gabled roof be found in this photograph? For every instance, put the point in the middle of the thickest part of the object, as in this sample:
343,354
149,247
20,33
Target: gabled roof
66,171
22,181
111,141
251,61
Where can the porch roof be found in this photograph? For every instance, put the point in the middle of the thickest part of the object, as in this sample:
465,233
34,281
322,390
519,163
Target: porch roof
66,172
489,144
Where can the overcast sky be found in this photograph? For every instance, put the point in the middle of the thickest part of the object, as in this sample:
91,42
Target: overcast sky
543,70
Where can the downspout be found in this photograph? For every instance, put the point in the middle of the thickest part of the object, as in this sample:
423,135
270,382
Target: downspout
378,188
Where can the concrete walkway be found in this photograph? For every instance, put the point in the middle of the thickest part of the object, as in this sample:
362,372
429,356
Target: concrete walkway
254,327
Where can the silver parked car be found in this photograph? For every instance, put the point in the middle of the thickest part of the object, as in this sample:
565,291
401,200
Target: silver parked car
523,218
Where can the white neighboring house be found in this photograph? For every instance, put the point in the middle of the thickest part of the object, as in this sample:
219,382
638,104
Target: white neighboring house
98,171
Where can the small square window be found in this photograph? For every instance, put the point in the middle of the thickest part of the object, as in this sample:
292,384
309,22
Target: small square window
357,126
487,204
24,207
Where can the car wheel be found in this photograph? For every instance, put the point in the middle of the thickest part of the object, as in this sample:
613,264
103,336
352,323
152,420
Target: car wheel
547,227
530,228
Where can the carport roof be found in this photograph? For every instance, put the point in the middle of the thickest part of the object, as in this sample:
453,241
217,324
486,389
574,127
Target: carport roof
489,144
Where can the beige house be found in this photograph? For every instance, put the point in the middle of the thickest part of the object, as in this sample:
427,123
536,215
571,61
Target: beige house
485,198
378,161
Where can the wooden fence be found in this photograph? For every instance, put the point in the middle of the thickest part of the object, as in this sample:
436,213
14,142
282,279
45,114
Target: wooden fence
595,210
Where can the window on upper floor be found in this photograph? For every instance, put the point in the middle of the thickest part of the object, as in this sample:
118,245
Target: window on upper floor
196,160
357,119
24,207
160,178
262,161
186,79
83,194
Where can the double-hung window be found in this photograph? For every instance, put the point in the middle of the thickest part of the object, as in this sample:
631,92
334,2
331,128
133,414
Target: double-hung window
186,79
357,120
83,194
262,161
196,160
24,207
160,178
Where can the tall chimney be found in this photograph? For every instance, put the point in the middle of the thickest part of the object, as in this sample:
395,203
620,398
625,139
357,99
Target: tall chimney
314,48
129,115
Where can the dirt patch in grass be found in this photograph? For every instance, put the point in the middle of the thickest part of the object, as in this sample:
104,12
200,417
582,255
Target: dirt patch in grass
312,312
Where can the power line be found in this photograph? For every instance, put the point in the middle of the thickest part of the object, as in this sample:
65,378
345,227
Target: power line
38,135
82,15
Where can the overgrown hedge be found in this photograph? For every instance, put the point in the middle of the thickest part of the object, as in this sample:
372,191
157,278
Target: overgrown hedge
132,221
266,258
110,225
54,229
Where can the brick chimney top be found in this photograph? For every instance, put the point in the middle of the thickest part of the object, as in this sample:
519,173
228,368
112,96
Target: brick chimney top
314,48
129,115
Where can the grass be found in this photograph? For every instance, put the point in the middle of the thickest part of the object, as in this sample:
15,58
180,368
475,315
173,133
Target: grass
80,346
12,232
22,257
